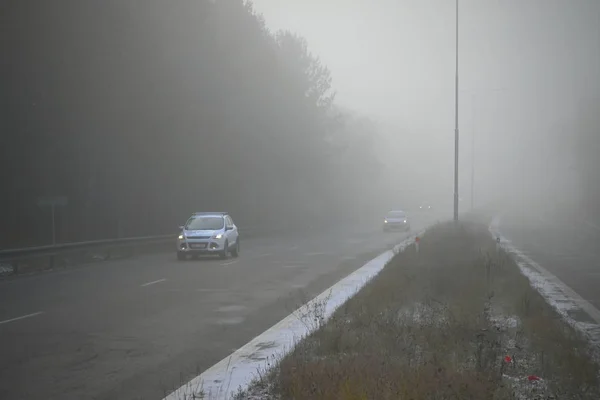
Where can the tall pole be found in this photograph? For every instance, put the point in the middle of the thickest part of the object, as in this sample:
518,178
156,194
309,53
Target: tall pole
456,127
53,227
473,156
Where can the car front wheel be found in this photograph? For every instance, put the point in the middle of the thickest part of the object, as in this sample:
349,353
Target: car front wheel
236,249
225,251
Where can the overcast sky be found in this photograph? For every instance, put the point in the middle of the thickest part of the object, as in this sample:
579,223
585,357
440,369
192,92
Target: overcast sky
525,65
403,50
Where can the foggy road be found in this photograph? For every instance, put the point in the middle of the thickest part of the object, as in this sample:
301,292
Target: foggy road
137,328
566,247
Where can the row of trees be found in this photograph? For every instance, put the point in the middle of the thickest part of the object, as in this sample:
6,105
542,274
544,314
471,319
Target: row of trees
142,112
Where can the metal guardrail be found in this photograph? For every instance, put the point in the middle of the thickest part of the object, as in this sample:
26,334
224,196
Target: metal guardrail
49,256
60,247
11,258
65,247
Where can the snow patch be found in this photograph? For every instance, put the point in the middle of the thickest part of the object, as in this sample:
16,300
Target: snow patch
504,323
561,297
423,315
6,269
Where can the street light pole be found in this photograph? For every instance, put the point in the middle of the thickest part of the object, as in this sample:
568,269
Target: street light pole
456,127
473,156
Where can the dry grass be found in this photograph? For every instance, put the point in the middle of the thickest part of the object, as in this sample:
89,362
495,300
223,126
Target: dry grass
438,324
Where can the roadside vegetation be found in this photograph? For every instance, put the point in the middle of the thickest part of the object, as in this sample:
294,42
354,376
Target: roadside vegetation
455,320
145,110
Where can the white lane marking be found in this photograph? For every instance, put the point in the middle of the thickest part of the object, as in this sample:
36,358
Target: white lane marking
298,286
231,308
238,370
317,253
22,317
228,263
153,282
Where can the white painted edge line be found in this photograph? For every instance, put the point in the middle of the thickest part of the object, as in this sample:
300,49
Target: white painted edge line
558,294
228,263
317,253
21,317
238,370
153,282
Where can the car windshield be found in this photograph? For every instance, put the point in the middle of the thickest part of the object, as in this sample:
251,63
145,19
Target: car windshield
205,223
396,214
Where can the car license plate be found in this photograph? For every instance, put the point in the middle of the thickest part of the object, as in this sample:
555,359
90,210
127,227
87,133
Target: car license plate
198,245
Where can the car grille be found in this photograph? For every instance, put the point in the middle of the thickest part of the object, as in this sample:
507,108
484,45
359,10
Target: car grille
198,237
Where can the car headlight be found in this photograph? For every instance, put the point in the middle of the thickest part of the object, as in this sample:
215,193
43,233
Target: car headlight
218,236
181,237
404,221
385,221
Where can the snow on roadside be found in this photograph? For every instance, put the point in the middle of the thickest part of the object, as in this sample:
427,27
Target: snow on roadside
576,311
6,269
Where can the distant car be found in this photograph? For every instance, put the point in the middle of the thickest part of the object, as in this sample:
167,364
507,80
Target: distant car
424,207
396,220
208,233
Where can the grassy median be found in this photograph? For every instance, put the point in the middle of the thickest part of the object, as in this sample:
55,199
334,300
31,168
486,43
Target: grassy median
455,320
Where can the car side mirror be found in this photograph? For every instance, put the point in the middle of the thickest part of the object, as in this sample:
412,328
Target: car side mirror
229,228
181,227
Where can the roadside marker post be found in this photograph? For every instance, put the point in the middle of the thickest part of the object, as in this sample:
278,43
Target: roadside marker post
417,241
53,202
498,245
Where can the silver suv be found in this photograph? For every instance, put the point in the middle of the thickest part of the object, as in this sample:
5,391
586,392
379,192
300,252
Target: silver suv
208,233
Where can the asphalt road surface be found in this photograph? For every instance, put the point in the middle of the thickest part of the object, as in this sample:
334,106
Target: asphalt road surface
138,328
567,247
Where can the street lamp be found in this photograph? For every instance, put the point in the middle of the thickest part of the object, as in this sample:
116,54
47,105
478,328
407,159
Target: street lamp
473,154
456,126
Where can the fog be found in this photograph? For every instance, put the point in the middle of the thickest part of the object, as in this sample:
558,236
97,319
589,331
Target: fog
528,82
142,112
